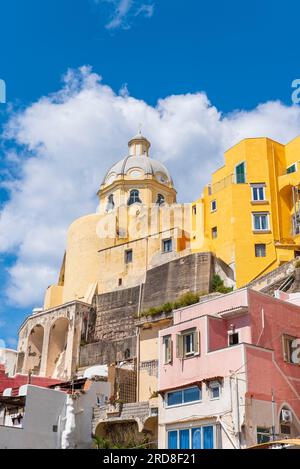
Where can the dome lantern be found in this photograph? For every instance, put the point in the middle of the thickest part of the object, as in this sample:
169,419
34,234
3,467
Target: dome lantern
139,146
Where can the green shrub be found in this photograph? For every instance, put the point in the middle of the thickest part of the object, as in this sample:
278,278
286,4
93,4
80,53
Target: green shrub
218,285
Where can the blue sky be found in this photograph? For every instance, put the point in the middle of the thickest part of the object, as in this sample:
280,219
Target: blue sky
239,54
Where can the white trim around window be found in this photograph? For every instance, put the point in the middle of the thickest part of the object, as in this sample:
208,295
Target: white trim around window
261,221
258,192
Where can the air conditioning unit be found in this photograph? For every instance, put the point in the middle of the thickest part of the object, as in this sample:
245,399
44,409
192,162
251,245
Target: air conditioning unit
286,416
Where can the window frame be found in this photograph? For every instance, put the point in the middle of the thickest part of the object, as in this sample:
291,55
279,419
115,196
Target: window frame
257,187
291,166
214,230
161,200
138,201
126,253
263,432
182,403
245,172
110,204
181,344
261,214
256,246
231,334
214,201
287,352
164,241
214,385
191,430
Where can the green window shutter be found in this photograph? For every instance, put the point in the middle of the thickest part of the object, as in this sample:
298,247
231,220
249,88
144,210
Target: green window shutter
240,173
179,346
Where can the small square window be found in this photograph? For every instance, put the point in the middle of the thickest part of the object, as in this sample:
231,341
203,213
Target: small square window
120,282
233,338
214,232
260,221
258,192
213,206
128,256
167,245
291,169
215,390
260,250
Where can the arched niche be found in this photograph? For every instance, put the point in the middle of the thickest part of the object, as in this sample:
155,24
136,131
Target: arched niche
58,338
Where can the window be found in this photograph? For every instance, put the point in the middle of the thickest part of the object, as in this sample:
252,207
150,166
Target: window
120,282
184,396
192,438
290,348
240,173
110,203
260,250
214,232
160,199
167,341
194,209
260,221
213,206
215,390
263,435
187,344
128,256
291,169
167,245
134,197
233,338
258,192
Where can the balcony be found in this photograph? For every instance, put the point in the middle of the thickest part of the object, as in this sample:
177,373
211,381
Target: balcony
139,412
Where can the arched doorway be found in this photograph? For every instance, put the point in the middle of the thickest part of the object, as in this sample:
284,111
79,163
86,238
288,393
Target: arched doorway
56,361
289,426
34,350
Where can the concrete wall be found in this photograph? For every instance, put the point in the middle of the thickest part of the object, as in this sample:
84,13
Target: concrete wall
42,414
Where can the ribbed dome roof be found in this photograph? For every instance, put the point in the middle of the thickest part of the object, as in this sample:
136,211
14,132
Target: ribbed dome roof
137,167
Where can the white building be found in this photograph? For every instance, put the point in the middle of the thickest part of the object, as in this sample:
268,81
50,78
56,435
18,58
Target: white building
42,418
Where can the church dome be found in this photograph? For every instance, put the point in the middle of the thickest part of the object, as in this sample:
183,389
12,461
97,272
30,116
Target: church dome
138,165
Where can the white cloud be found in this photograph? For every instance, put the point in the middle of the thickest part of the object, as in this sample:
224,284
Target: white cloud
65,143
124,10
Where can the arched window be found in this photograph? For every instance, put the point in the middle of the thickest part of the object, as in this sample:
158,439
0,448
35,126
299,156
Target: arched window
134,197
160,199
110,203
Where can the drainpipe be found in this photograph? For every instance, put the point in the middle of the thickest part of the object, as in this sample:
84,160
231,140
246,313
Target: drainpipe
273,416
238,409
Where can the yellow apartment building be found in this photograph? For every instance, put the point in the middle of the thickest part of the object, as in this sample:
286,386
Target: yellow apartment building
251,209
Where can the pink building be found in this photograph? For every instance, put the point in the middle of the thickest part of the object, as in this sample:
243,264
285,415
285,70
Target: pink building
229,372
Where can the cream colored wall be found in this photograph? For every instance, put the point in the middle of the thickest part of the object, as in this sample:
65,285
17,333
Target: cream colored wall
149,351
93,262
